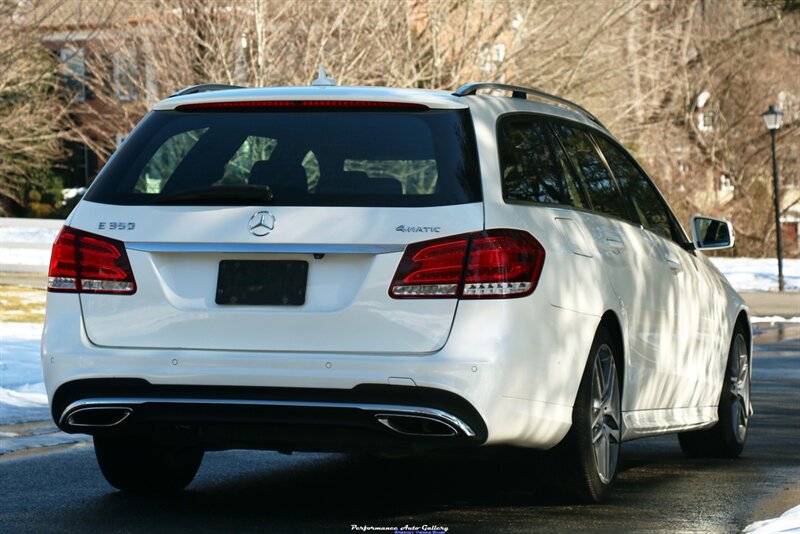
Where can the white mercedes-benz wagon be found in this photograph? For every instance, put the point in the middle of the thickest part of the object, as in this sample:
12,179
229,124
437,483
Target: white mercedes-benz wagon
386,270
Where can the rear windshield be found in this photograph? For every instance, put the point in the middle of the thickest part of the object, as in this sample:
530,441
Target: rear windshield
307,158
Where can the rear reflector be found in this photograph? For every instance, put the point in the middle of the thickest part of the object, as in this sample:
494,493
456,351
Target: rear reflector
490,264
87,263
294,105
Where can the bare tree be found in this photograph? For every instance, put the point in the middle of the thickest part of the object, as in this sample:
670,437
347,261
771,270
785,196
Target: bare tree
678,82
30,115
35,111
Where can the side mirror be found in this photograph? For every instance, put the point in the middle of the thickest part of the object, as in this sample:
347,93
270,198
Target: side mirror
711,234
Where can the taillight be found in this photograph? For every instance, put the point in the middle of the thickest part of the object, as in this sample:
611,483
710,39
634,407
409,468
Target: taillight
489,264
87,263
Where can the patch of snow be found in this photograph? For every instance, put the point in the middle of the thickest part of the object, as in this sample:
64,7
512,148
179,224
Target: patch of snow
72,192
22,393
775,319
28,234
27,396
789,521
25,243
51,439
24,256
759,274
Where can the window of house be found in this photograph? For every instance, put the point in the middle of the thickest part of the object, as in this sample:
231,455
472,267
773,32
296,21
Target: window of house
126,74
74,72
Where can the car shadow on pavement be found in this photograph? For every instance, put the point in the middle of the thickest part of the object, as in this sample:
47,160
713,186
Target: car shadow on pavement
321,491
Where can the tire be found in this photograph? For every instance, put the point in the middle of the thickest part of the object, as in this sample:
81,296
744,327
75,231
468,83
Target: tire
726,439
138,464
587,458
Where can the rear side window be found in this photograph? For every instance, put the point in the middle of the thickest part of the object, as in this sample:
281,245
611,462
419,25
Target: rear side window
649,209
307,158
600,185
532,164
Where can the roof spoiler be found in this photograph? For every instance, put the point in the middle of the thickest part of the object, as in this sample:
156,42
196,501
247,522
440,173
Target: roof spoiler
204,88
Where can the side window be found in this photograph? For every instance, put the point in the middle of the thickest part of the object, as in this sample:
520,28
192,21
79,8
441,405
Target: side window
645,200
533,167
598,181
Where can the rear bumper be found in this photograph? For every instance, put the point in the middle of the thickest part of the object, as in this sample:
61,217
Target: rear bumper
519,381
366,418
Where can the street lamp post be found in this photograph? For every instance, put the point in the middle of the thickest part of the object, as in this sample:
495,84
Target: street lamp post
772,119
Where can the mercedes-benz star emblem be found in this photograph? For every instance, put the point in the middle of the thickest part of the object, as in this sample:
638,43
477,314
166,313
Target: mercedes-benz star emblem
262,223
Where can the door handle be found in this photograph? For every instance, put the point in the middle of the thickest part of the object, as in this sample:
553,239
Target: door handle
615,243
674,266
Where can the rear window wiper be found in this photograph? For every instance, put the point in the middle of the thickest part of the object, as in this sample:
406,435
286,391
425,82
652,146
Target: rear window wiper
220,195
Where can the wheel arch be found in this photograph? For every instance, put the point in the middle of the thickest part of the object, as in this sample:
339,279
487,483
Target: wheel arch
743,321
611,323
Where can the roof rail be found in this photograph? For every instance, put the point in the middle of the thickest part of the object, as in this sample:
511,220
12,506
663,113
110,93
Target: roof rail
203,88
523,92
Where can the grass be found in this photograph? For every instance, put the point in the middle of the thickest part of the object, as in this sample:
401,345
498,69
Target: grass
22,304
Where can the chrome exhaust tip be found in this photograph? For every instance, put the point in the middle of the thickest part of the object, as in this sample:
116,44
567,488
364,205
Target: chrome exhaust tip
416,425
98,417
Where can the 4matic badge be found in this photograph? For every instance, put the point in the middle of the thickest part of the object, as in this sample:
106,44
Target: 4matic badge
419,229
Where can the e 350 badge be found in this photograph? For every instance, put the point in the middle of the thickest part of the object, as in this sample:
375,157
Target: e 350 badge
116,225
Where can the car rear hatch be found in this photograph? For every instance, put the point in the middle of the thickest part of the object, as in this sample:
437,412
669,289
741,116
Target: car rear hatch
278,225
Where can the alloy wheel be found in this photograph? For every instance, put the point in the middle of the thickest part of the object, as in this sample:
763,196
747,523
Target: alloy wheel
739,383
605,418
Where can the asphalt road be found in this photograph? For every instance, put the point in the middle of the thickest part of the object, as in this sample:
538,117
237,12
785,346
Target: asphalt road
245,491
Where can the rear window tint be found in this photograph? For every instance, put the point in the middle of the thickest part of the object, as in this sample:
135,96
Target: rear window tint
319,158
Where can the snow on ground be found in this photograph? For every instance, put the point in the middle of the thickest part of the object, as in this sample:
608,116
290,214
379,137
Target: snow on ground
788,522
759,274
25,243
774,319
36,260
22,393
29,234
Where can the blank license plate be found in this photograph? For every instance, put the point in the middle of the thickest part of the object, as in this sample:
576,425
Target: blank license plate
262,283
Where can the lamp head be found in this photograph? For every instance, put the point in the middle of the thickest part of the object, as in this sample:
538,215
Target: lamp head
772,118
